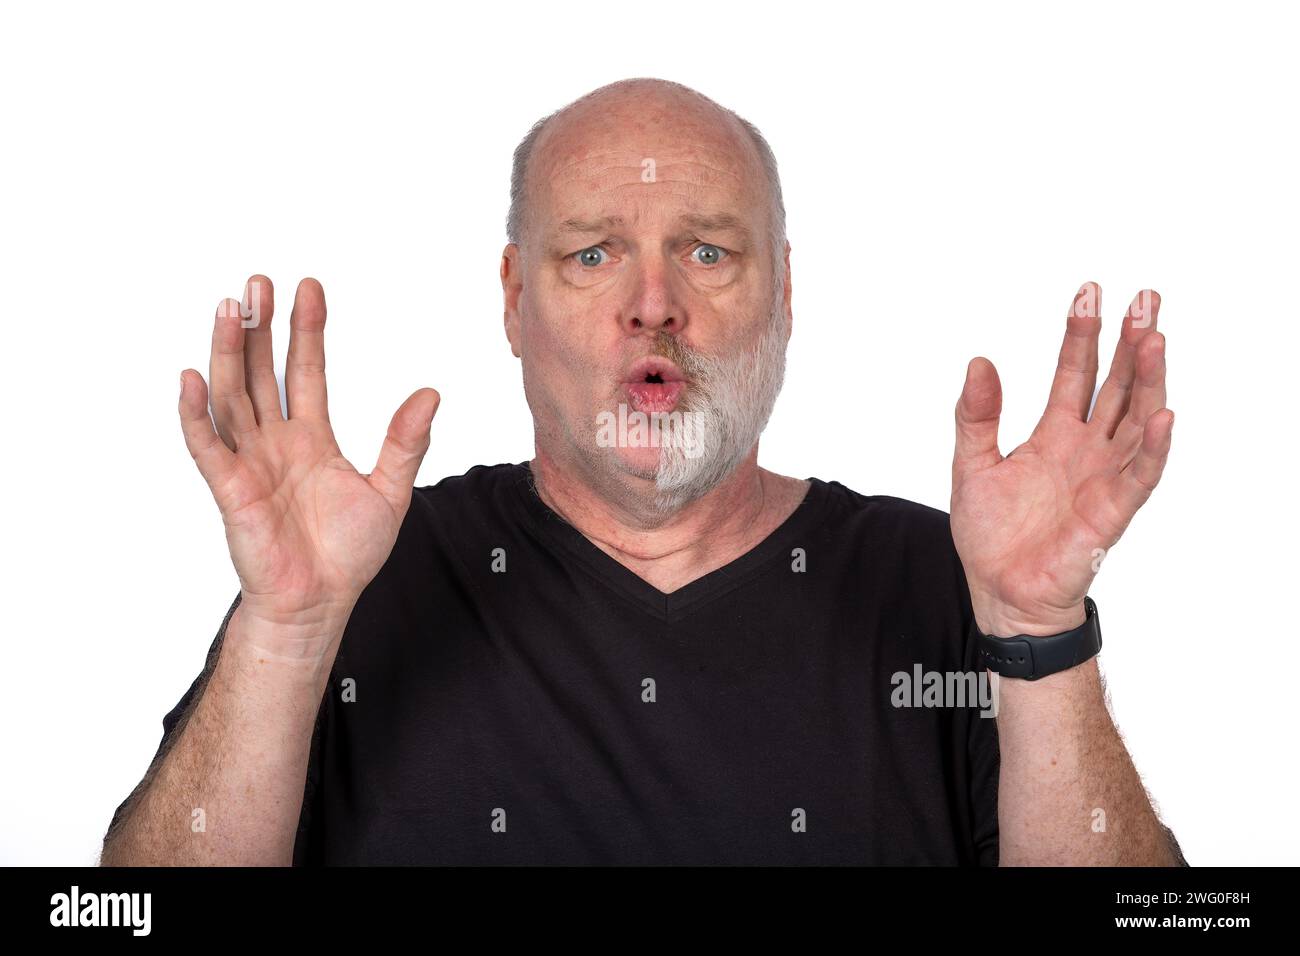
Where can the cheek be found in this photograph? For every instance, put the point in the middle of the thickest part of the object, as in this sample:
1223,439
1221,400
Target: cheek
564,360
550,345
568,331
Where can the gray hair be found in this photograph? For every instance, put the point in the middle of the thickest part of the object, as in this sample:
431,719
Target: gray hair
516,219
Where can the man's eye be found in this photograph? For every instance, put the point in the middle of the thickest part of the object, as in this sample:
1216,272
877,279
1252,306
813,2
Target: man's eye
591,256
708,255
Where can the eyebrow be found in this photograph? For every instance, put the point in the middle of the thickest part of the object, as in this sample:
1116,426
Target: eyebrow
591,225
722,221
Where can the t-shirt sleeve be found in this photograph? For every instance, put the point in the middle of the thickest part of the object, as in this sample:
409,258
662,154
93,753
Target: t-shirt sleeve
985,763
977,727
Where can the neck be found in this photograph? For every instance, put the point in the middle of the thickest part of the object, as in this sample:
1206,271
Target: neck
670,551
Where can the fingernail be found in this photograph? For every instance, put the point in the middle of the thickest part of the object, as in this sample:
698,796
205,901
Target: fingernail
251,305
1087,301
182,392
1142,309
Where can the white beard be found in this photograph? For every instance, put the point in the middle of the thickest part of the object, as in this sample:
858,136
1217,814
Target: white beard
730,401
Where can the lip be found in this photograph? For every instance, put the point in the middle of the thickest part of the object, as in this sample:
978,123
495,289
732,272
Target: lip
653,365
650,397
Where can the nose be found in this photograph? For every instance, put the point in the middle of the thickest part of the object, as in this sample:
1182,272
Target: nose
655,304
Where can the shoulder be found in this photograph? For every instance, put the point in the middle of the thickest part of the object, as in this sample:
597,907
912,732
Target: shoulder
884,514
450,528
476,480
894,539
481,485
455,514
905,561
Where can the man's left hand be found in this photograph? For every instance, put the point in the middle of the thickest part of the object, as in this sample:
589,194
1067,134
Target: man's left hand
1032,528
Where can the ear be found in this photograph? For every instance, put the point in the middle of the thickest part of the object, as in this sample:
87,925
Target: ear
512,286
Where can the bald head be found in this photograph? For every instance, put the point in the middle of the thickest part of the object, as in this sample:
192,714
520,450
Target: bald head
646,221
643,110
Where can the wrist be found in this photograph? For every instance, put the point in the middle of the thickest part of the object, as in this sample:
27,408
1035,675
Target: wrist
1000,620
302,646
298,615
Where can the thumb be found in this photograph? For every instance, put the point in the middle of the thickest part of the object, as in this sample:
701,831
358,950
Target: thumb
404,447
977,414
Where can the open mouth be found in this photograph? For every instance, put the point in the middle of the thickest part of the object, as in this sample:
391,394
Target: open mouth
654,384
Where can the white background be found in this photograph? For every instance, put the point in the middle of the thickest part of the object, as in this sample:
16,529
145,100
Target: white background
952,174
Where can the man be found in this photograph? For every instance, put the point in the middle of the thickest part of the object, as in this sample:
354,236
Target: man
641,647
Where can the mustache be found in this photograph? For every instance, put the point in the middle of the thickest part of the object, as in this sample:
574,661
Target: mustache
705,370
694,364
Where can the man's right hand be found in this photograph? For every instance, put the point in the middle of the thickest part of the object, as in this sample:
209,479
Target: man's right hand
306,531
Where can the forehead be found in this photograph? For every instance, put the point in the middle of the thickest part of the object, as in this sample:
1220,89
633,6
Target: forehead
626,163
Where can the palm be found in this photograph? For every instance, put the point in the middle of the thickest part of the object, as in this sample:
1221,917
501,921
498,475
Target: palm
304,527
301,520
1031,528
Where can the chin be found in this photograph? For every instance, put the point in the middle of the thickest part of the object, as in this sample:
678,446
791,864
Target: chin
637,462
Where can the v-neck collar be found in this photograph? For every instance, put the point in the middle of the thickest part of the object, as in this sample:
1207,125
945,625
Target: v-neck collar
670,606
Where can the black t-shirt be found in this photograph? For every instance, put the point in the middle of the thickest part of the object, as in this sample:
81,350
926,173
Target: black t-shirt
507,693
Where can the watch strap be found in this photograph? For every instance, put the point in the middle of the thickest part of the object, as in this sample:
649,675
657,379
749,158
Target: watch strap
1030,658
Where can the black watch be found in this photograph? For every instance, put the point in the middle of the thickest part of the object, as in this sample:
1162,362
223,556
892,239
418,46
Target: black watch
1033,657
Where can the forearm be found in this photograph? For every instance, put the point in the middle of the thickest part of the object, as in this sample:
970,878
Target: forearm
1068,792
229,790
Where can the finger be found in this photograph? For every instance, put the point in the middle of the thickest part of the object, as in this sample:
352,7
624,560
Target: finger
404,447
1140,477
216,462
1148,395
304,374
231,409
259,359
1076,367
977,414
1112,401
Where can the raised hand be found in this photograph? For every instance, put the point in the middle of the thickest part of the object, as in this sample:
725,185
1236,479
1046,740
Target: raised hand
1031,528
307,532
